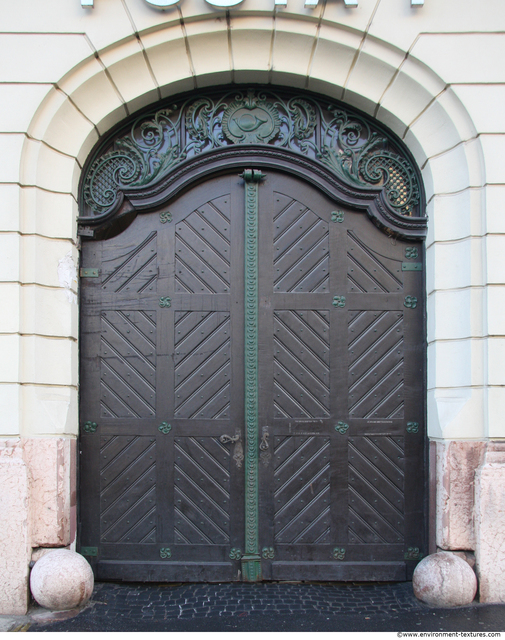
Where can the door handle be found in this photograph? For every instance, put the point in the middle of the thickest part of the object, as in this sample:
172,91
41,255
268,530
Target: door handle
264,446
264,439
238,452
225,439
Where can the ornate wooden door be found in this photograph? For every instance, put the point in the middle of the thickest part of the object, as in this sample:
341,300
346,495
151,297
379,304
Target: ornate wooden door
252,391
162,377
341,391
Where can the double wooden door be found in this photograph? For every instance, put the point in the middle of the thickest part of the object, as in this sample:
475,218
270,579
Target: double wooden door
252,391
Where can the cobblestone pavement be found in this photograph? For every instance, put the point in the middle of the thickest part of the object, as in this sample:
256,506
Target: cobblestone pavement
263,607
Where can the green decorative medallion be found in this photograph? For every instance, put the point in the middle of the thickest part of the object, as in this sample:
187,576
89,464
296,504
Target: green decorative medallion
251,566
339,301
165,302
412,427
410,302
165,553
235,554
90,427
413,553
338,553
337,216
165,428
165,217
268,553
341,427
251,120
411,252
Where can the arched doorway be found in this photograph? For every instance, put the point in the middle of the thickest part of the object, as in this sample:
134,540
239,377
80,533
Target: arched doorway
252,379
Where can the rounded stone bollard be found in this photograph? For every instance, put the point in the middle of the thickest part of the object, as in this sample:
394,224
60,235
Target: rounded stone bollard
61,580
444,580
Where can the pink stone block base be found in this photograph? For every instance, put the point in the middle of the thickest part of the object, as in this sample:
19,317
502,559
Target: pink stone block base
37,509
456,464
490,524
15,547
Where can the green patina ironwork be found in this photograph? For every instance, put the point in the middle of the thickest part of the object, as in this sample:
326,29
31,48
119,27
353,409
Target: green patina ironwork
89,551
338,553
337,216
412,266
268,553
165,428
251,566
338,301
412,427
410,302
413,553
89,273
90,427
235,554
411,252
351,145
165,553
165,302
165,217
341,427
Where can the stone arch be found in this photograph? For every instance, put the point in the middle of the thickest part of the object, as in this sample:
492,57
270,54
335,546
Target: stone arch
404,95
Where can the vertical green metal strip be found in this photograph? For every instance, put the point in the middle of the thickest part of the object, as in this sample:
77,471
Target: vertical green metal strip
251,564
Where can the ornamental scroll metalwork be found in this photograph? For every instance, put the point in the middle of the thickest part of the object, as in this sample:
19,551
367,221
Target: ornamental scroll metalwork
349,144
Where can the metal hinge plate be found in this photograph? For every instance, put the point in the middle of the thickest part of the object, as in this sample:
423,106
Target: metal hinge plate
88,232
89,551
412,266
90,273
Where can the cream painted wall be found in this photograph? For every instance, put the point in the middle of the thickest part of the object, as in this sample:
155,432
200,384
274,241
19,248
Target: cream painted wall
68,74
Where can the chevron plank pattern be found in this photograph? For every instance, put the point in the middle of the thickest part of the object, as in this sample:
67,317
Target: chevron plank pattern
376,364
202,365
128,364
301,364
376,481
301,248
302,489
201,491
128,489
369,272
133,270
202,249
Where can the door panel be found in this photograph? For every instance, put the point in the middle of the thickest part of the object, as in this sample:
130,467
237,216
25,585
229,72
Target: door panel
375,381
202,365
302,490
301,364
202,491
339,387
128,363
347,375
376,490
162,493
127,489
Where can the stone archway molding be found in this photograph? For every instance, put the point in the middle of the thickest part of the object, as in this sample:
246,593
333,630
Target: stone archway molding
415,104
75,97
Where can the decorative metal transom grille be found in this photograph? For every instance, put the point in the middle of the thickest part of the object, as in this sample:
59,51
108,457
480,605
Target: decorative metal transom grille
350,145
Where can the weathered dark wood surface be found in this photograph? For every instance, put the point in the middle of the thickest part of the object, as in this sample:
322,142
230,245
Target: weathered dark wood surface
342,504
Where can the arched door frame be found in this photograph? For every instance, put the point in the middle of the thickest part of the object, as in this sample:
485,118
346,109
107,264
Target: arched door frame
123,190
